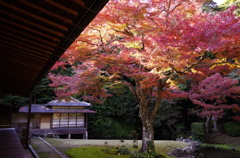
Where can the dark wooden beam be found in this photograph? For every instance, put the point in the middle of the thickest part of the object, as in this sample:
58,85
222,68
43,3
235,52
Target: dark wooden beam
28,121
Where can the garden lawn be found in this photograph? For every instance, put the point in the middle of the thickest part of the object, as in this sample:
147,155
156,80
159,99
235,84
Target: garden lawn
92,152
162,147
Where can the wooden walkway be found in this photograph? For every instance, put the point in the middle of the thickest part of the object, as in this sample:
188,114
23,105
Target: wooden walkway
10,146
42,147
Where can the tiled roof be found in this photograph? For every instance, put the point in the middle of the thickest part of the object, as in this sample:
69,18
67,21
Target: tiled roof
37,108
67,102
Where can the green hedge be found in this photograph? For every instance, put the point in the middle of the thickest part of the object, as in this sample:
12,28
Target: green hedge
198,131
232,129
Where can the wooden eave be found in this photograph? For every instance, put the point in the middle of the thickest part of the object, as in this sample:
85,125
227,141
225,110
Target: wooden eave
34,34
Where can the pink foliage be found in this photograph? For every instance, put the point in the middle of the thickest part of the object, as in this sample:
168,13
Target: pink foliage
212,93
59,64
152,44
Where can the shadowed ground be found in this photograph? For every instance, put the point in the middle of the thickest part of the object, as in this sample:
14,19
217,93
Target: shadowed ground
220,138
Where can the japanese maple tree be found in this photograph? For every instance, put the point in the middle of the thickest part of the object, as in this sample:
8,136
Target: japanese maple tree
148,46
212,95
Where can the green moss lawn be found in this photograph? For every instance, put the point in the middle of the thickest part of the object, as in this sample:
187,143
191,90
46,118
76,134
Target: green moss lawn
78,148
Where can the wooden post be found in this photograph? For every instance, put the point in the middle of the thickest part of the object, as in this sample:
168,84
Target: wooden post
11,115
28,121
86,122
85,136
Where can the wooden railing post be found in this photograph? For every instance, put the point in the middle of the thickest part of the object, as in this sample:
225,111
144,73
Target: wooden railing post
28,122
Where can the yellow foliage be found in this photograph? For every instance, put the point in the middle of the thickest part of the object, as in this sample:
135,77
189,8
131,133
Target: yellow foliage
231,66
134,44
195,71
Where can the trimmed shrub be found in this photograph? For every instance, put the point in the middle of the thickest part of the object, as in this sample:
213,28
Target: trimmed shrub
123,150
232,129
198,131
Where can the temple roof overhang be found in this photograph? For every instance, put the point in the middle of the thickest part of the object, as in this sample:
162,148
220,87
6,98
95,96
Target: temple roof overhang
37,108
34,34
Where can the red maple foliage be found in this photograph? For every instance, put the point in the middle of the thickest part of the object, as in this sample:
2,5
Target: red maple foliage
212,95
149,46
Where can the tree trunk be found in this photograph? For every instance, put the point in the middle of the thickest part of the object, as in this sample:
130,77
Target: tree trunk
206,123
147,113
147,129
147,135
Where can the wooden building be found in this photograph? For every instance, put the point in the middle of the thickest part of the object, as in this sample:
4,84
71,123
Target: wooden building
58,117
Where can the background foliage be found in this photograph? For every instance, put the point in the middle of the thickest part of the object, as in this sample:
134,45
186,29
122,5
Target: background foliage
116,117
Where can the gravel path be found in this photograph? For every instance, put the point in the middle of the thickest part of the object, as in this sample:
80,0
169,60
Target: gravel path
43,150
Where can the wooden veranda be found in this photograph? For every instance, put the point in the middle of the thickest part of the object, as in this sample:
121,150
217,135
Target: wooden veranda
10,146
34,34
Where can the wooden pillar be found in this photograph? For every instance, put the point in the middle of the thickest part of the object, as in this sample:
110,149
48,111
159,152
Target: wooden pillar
28,121
11,115
86,125
85,136
86,121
